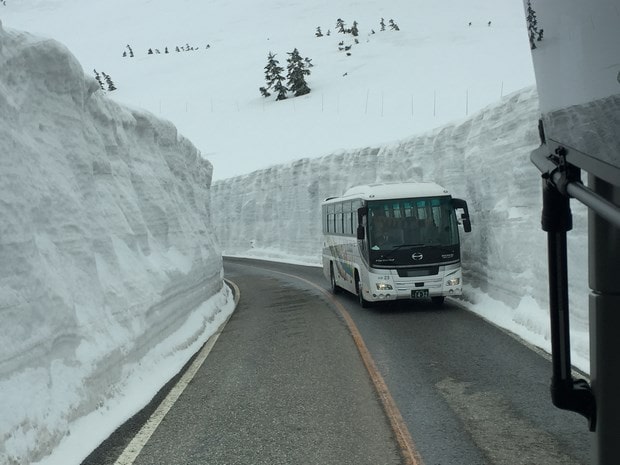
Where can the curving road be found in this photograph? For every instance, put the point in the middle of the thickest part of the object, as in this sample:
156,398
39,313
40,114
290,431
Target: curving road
290,380
469,392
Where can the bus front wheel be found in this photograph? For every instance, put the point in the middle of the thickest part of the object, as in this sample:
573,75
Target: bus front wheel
332,278
360,294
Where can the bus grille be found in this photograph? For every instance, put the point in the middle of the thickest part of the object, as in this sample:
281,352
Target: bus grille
426,282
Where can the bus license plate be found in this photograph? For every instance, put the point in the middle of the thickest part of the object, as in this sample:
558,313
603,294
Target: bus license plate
419,293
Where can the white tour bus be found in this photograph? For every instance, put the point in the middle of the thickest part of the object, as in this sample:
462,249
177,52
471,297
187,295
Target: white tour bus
394,241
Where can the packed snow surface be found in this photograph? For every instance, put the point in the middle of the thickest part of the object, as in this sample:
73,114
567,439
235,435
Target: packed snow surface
110,277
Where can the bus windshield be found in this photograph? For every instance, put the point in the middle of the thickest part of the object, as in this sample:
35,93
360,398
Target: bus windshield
425,221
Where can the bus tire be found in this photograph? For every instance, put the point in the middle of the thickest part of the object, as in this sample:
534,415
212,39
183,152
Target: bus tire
438,301
332,279
360,294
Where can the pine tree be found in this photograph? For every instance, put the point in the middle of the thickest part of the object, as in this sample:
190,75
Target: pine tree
110,84
279,87
108,81
354,30
340,25
318,32
393,25
98,79
124,54
532,25
150,52
382,24
297,72
274,78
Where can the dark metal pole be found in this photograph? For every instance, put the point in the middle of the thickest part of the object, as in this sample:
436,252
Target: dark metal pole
566,392
556,221
604,278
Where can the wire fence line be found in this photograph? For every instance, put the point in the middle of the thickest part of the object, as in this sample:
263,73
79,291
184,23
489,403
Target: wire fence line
372,103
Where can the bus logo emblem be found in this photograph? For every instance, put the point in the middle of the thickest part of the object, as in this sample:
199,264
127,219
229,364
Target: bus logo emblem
417,256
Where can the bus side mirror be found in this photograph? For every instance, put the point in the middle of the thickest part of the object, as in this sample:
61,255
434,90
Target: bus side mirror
361,234
462,204
466,224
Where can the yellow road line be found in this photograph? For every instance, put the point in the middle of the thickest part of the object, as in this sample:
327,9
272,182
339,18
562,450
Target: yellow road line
407,447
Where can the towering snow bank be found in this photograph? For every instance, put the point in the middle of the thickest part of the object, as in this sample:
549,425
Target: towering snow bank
275,213
105,246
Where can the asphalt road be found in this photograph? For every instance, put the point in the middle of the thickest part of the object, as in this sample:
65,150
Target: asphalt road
469,392
285,384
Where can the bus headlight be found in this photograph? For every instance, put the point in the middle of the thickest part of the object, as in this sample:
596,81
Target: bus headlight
384,287
453,282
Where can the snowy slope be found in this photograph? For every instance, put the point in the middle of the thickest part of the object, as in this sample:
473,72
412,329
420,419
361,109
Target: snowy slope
109,266
394,83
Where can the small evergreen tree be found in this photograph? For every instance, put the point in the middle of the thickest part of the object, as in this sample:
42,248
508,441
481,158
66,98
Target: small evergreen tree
166,50
393,25
318,32
532,25
279,87
108,81
110,84
340,25
382,24
274,78
354,30
125,54
98,79
150,52
297,72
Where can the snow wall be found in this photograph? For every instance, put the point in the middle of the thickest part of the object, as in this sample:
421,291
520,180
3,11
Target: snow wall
105,248
275,213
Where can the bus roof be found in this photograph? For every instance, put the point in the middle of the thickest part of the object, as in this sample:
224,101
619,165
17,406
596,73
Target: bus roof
400,190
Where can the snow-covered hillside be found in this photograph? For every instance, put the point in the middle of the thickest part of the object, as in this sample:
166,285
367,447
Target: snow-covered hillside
109,264
393,84
275,213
